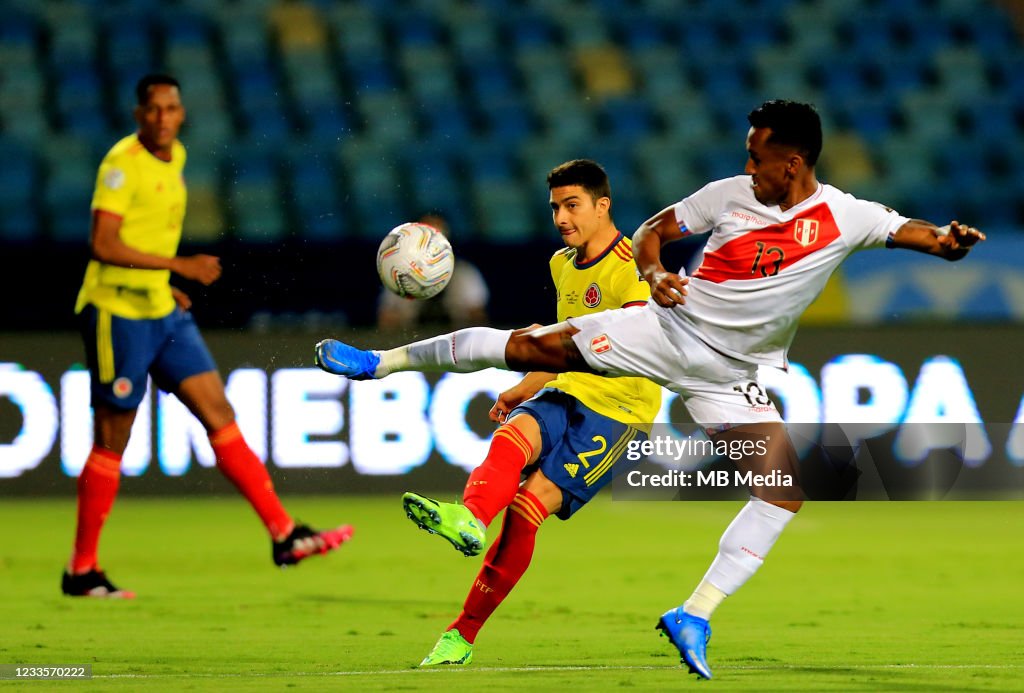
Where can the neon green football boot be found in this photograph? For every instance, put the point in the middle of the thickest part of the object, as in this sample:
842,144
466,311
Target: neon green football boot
451,648
452,521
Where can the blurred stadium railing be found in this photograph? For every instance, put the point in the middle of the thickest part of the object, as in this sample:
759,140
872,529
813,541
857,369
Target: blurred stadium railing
325,122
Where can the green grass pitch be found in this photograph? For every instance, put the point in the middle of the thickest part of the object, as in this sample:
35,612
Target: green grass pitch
854,597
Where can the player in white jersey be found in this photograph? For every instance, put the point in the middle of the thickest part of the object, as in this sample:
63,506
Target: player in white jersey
776,236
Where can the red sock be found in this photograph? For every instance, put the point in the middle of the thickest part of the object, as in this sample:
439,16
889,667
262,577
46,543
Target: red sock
237,461
493,484
506,562
97,488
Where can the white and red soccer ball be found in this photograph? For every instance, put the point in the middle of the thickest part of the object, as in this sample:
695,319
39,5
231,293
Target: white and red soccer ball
415,260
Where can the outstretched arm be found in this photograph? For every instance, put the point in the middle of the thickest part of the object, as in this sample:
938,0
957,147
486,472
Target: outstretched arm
951,242
667,288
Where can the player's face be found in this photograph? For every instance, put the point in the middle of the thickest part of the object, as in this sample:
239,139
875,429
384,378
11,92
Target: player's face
160,118
577,216
771,167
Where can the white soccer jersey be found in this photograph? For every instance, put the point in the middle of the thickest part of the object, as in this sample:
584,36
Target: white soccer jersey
763,266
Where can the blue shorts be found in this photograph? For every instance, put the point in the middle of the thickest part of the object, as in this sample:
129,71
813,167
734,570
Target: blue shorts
122,352
580,449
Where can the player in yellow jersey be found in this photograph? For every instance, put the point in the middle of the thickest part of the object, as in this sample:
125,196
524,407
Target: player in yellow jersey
566,433
136,325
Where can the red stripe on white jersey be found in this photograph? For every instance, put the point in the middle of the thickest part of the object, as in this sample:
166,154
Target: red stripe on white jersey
769,250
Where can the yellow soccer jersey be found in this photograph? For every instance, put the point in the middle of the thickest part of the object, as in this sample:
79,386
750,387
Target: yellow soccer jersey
149,195
609,281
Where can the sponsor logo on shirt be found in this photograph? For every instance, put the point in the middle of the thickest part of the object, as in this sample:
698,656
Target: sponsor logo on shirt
592,296
600,344
748,217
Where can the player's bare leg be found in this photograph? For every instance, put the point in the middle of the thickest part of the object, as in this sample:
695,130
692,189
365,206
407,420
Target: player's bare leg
549,348
745,543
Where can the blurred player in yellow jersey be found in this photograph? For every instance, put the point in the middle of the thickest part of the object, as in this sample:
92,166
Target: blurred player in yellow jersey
135,325
567,431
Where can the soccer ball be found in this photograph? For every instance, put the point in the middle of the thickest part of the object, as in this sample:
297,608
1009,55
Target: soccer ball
415,260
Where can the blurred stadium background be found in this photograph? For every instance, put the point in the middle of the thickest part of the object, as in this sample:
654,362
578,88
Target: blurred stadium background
317,125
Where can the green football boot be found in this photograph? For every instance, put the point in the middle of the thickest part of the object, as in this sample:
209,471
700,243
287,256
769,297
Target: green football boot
452,521
452,648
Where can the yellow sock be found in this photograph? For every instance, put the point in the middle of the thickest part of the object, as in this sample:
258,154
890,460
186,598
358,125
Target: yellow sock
704,600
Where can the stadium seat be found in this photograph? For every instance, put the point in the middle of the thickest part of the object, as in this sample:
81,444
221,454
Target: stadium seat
929,116
412,29
490,79
254,196
473,34
314,181
20,179
627,118
603,72
429,72
506,120
183,27
905,163
127,41
377,198
502,211
526,30
661,74
433,173
720,158
961,71
638,31
66,200
667,171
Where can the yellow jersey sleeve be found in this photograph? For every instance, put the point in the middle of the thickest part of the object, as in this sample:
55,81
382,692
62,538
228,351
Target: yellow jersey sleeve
116,183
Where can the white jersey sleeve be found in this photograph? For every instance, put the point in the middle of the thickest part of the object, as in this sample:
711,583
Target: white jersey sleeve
699,212
876,224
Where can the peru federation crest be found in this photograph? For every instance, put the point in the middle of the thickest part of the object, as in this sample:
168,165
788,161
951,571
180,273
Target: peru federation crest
805,232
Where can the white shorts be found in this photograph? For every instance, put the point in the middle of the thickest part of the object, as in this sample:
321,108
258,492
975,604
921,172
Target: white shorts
720,392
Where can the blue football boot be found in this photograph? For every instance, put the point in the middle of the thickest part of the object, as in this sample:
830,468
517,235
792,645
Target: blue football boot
341,359
690,635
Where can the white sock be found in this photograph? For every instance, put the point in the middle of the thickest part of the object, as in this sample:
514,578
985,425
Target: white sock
741,551
462,351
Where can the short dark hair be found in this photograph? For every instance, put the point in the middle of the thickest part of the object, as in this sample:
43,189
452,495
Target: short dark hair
793,124
150,80
585,173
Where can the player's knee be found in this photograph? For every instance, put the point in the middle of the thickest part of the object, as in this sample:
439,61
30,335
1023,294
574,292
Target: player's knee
524,349
548,347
